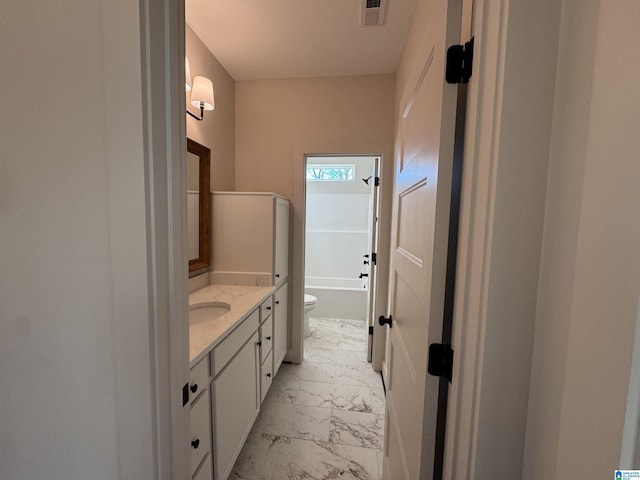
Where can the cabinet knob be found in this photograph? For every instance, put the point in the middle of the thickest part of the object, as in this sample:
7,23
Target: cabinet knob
277,302
195,443
269,307
259,344
268,375
194,388
277,275
269,338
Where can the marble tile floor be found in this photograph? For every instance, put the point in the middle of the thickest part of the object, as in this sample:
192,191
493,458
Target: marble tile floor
323,419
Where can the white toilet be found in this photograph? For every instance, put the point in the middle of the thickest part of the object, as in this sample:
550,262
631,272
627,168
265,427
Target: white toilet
309,304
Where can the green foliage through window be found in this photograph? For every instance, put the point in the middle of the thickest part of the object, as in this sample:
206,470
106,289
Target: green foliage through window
331,173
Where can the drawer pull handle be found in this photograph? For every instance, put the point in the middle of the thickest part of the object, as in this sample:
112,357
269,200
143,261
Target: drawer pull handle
269,338
259,344
269,307
194,388
268,375
277,275
195,443
277,302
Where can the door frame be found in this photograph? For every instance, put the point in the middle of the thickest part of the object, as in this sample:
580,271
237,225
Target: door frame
297,236
376,352
489,22
162,31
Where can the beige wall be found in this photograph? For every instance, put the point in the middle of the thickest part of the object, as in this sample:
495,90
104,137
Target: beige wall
75,387
278,121
217,130
590,276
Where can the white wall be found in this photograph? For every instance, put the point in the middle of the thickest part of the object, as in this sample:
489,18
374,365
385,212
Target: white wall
279,121
75,394
590,275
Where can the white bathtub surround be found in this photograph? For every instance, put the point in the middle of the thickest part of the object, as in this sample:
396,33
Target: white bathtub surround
340,301
314,423
338,235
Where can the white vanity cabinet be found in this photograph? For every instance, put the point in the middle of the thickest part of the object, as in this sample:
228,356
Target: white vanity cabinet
200,419
232,372
280,322
266,346
250,237
235,392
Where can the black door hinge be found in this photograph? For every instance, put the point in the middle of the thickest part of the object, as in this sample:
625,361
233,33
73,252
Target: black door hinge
376,182
441,360
371,330
374,258
460,63
185,394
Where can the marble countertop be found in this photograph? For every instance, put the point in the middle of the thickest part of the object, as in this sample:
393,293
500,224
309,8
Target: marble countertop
242,299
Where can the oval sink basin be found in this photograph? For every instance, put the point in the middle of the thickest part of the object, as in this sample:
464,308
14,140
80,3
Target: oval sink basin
202,312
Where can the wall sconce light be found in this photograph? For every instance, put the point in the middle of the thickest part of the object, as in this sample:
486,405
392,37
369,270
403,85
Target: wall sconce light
201,92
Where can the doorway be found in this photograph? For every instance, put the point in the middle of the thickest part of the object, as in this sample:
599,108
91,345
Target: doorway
340,252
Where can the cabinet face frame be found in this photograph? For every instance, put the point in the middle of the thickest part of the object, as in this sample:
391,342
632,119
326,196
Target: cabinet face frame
280,326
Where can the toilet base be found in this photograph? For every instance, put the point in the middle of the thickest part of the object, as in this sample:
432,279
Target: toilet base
307,325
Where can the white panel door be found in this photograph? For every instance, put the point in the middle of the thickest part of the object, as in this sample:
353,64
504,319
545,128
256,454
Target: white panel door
422,191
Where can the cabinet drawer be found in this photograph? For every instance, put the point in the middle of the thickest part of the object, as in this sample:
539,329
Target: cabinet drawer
266,376
230,345
266,338
200,430
266,308
206,472
199,378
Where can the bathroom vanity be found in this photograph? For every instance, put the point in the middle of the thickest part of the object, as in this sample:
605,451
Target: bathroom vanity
232,366
237,330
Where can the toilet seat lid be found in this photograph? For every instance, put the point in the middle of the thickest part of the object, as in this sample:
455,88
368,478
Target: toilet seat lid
309,299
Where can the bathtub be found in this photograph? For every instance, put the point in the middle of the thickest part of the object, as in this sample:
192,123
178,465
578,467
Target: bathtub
339,297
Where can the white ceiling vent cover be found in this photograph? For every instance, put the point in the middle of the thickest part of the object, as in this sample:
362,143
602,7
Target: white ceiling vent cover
373,12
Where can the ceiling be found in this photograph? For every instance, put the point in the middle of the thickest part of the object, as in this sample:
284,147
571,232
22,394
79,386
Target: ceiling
263,39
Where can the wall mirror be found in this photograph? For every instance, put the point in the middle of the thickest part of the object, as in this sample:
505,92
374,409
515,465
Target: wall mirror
198,206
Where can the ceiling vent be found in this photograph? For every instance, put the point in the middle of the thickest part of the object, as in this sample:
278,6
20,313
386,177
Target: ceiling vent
373,13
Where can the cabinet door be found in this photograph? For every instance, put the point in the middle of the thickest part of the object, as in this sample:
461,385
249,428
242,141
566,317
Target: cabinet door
281,254
236,402
280,334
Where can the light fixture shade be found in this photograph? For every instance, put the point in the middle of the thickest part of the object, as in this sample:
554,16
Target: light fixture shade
202,94
187,74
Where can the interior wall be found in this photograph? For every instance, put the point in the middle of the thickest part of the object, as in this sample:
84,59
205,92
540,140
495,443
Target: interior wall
279,121
564,200
502,215
591,264
74,321
217,130
523,144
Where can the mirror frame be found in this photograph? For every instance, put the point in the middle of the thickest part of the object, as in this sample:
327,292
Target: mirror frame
204,154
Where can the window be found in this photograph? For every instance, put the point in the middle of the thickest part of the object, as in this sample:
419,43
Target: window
330,173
